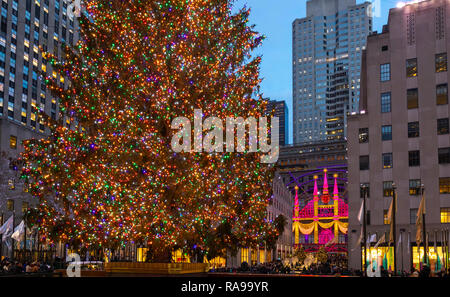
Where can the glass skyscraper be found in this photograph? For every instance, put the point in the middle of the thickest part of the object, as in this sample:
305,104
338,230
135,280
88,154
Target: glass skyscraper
27,28
327,46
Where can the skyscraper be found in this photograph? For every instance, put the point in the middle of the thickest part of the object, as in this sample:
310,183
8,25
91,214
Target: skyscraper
327,46
25,27
400,140
281,111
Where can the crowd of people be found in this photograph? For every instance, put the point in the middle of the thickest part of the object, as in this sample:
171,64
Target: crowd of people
264,268
336,265
8,267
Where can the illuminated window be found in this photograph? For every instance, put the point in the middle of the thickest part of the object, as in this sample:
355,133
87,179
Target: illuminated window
11,184
10,205
444,185
445,215
441,62
13,142
24,207
244,255
441,94
411,67
417,256
262,256
363,135
412,97
178,256
385,217
142,254
387,161
414,187
388,191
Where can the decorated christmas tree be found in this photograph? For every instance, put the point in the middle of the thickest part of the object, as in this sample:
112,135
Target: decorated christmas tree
107,175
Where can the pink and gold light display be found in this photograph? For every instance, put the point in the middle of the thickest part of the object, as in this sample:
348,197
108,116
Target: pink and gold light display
322,220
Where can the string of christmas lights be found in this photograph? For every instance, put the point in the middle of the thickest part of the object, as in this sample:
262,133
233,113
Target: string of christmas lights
112,177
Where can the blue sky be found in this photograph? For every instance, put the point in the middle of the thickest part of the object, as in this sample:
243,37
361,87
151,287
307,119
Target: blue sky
274,18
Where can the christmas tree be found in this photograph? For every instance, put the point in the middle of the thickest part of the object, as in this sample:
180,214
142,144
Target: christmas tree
107,176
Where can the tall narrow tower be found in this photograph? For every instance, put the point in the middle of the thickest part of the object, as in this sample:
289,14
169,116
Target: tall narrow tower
327,46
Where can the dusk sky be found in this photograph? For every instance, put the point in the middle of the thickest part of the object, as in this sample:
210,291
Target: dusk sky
274,18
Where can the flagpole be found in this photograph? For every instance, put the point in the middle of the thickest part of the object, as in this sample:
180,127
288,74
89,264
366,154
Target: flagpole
24,237
446,246
364,187
401,241
12,239
435,249
443,249
425,244
1,240
394,210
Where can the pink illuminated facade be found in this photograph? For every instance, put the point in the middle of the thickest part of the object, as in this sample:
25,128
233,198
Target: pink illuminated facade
322,220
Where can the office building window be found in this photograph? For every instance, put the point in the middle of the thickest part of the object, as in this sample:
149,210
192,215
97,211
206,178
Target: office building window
385,217
364,163
361,190
385,72
413,129
388,191
13,142
244,255
442,126
412,97
444,155
414,158
445,215
11,184
24,207
413,216
387,161
441,94
411,67
363,135
414,187
386,133
441,62
386,102
444,185
10,205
